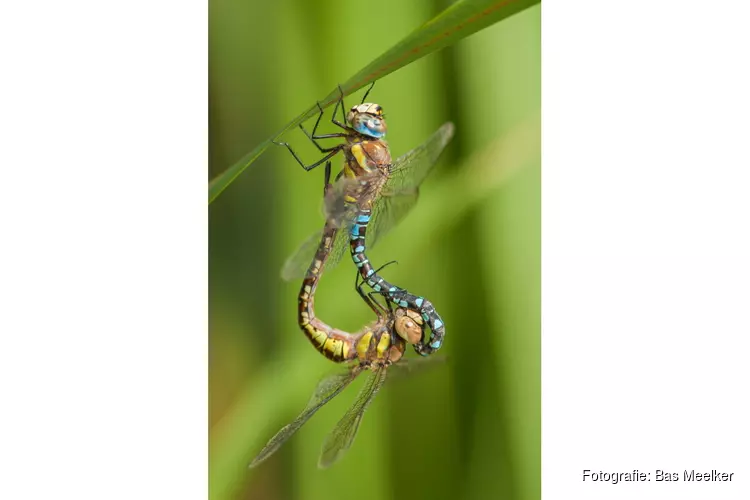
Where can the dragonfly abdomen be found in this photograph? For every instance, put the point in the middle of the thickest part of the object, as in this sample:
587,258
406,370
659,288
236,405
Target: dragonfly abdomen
395,294
373,343
334,344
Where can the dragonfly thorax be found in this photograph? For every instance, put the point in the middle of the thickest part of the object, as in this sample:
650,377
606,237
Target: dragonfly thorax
367,119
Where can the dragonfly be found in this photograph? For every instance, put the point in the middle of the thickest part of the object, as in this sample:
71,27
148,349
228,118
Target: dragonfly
371,195
375,348
384,348
340,346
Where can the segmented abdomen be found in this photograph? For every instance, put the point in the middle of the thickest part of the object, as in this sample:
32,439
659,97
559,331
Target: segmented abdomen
372,343
397,295
334,344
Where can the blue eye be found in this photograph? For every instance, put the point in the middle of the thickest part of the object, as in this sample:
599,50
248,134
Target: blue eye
371,127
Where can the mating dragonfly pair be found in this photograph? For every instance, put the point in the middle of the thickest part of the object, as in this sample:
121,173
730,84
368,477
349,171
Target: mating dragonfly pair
369,196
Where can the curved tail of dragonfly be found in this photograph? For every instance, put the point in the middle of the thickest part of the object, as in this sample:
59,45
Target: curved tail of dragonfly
337,345
334,344
397,295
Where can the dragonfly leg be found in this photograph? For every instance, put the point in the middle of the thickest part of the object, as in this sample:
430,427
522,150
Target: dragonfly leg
314,135
326,158
385,265
327,179
357,281
390,304
342,123
373,295
331,152
343,116
372,303
367,93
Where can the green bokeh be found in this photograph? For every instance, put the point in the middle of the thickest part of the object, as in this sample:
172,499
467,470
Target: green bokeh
470,428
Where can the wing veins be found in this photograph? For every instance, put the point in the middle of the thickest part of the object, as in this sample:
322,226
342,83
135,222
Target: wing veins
328,388
342,436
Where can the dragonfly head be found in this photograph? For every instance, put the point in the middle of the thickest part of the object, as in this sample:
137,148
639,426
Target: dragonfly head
409,325
367,119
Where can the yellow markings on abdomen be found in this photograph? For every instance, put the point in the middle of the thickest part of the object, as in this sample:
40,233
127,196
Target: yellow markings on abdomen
383,344
334,346
317,336
345,349
305,319
364,345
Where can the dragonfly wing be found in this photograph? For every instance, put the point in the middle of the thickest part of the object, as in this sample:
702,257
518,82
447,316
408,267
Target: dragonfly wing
297,265
411,366
339,207
342,436
326,390
339,214
387,212
392,201
399,194
410,169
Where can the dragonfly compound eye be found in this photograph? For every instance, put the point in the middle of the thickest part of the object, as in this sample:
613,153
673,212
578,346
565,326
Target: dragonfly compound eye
369,125
409,325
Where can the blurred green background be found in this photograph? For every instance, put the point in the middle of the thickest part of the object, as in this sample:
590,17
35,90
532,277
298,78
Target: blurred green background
469,428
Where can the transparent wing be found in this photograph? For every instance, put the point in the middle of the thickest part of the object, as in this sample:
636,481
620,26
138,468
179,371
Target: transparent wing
391,198
338,206
401,191
297,265
342,436
410,169
326,390
407,367
387,212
